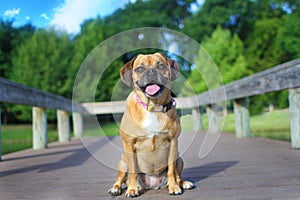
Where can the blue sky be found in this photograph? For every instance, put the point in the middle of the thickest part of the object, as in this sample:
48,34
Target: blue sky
63,14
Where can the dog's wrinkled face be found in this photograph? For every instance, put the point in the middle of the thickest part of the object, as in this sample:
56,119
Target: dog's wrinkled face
152,74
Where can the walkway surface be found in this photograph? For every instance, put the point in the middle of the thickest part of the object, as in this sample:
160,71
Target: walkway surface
252,168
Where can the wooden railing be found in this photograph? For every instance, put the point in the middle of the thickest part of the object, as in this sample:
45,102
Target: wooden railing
284,76
11,92
281,77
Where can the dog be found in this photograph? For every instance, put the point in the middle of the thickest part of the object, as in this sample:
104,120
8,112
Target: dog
150,128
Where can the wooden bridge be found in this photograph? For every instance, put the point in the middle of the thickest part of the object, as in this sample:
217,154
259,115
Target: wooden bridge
235,168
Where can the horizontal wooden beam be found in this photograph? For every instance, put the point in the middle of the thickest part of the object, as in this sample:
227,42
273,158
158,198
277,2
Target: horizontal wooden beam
111,107
281,77
284,76
16,93
105,107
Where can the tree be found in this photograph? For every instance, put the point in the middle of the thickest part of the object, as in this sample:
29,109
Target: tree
90,36
226,51
289,36
10,38
42,62
154,13
213,13
263,50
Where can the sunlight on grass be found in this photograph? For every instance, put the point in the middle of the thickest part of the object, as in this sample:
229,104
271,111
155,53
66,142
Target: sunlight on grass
273,125
19,137
107,129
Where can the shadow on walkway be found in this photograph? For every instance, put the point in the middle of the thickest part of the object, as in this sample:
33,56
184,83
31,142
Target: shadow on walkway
77,158
196,174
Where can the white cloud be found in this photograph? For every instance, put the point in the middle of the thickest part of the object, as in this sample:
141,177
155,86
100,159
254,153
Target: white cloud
69,15
45,16
12,13
27,18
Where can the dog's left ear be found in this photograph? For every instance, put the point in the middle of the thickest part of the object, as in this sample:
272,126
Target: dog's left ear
126,73
175,70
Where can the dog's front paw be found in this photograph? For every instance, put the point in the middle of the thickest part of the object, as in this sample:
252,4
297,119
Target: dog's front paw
115,191
174,190
187,185
132,192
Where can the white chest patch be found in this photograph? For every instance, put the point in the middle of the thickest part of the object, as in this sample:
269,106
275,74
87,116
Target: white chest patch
151,124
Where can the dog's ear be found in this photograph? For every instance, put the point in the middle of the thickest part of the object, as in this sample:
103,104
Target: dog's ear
175,70
126,73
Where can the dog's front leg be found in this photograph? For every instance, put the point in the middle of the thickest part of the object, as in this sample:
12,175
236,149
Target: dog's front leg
130,156
174,188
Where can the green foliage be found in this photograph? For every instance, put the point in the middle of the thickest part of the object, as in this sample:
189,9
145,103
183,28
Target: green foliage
227,14
289,38
154,13
226,50
42,62
91,35
263,50
10,38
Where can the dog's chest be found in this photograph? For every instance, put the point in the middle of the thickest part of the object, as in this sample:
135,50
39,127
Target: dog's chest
152,124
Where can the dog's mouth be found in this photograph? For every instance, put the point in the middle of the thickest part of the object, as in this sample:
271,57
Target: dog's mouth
152,90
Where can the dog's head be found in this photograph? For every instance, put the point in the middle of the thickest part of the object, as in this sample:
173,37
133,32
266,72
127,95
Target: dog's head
152,74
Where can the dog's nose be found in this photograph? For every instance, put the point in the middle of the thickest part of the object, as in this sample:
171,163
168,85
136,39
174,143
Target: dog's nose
152,72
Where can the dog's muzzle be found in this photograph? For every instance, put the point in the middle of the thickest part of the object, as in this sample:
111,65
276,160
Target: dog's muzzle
152,83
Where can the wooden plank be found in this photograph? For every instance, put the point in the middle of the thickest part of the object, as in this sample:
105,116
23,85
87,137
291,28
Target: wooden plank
110,107
244,169
105,107
63,126
197,119
39,128
213,118
294,101
281,77
77,124
242,119
16,93
186,102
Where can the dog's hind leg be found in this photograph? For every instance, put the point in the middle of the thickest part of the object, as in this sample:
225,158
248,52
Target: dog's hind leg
121,178
184,184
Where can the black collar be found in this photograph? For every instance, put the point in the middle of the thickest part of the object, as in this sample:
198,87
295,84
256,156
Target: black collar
157,107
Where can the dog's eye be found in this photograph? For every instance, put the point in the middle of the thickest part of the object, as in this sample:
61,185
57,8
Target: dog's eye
161,66
140,69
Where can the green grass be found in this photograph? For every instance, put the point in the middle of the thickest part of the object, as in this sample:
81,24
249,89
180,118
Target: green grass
107,129
274,125
19,137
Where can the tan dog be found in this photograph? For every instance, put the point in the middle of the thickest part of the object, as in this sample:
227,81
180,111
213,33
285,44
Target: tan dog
150,128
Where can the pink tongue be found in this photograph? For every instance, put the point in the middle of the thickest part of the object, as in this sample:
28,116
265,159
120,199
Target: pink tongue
152,89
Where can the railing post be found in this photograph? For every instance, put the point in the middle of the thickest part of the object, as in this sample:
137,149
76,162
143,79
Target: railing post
197,119
242,120
77,125
213,118
39,128
63,125
294,101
